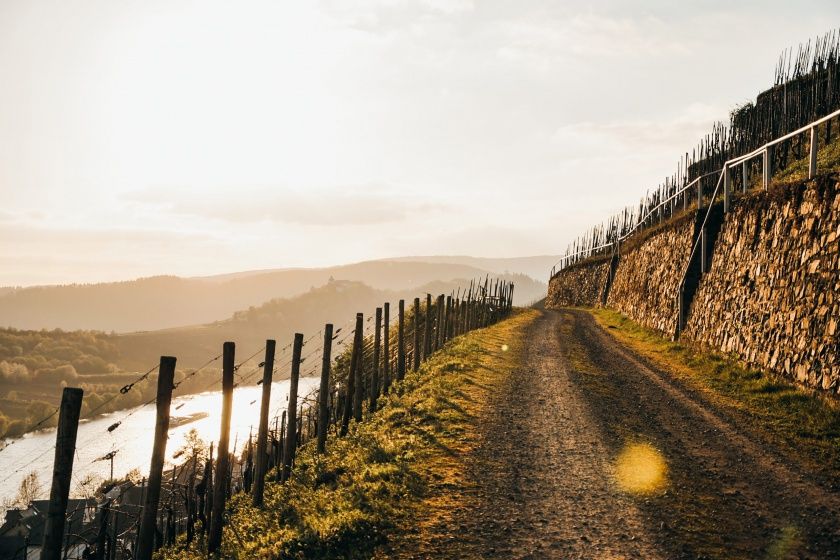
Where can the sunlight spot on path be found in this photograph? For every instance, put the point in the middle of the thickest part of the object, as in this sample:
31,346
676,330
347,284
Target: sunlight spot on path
641,469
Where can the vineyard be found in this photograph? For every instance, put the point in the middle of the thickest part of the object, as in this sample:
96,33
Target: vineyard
360,363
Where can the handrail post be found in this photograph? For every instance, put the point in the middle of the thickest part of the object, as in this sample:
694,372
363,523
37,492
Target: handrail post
766,166
726,188
812,162
745,176
700,193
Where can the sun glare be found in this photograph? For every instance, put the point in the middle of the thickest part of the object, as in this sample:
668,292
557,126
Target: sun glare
641,469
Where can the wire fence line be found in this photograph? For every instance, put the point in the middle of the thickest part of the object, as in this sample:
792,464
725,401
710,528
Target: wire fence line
361,361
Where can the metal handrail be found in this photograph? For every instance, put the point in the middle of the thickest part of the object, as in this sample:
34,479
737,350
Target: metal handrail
725,169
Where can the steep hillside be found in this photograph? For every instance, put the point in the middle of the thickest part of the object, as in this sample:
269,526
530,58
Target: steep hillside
337,301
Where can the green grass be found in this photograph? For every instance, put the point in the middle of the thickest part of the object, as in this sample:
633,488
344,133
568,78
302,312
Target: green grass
393,471
828,159
805,422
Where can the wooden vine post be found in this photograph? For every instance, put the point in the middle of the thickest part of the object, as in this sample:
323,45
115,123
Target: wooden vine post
401,342
350,384
358,369
65,450
148,524
416,322
324,389
261,465
427,328
374,376
291,422
386,350
220,482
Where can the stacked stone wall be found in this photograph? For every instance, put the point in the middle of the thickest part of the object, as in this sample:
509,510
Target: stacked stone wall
772,294
648,276
580,285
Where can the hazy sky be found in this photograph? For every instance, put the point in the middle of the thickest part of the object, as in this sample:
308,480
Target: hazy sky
175,137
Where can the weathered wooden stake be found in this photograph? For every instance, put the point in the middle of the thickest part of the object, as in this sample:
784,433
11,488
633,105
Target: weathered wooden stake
427,329
148,524
324,389
386,350
358,371
350,384
65,450
261,465
374,376
439,322
220,482
291,422
447,323
401,342
416,321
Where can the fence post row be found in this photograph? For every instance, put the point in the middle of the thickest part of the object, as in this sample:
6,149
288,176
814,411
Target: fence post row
445,317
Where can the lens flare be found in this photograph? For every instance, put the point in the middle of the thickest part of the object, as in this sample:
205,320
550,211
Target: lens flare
641,469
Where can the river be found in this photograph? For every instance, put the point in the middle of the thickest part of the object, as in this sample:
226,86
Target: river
132,440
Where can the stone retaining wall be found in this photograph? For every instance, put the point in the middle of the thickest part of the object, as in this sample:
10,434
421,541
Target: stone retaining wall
772,294
579,285
649,274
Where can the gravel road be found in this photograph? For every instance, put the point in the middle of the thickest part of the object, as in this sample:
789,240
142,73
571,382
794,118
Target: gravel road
592,452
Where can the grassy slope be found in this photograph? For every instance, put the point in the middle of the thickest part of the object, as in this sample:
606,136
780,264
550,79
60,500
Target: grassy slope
373,482
806,423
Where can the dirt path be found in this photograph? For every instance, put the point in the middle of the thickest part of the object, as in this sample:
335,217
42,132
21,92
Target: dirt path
590,452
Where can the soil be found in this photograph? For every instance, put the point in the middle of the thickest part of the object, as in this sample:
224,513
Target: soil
546,478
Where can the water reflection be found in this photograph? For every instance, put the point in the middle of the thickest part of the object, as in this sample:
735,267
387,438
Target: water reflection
133,438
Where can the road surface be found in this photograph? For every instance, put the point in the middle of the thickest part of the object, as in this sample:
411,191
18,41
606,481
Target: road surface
592,452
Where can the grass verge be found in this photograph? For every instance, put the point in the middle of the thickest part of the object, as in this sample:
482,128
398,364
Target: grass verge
392,471
805,422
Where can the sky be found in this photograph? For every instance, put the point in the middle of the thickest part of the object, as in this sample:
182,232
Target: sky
204,137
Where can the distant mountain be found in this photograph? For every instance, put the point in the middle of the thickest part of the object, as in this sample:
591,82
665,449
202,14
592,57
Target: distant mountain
169,301
336,302
537,267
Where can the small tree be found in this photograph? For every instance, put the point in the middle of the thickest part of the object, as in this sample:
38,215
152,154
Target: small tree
194,447
30,489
